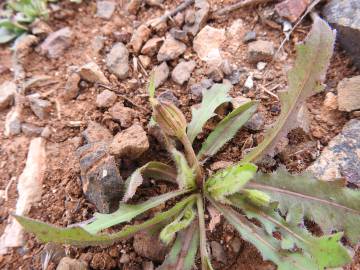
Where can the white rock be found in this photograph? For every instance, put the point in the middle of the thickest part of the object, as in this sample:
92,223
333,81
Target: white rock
261,66
249,83
91,72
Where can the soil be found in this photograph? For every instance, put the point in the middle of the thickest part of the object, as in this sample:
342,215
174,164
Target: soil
63,202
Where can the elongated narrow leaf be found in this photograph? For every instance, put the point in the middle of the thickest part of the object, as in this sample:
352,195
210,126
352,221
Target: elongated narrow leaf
127,212
330,204
227,129
180,223
185,174
326,251
305,80
268,246
229,180
79,237
183,253
153,169
212,98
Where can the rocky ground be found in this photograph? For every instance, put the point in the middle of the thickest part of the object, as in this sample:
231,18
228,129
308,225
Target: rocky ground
74,103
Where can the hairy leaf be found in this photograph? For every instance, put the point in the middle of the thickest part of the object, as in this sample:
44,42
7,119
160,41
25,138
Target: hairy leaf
79,237
268,246
181,222
153,169
212,98
330,204
229,180
183,252
305,79
127,212
185,174
227,129
326,251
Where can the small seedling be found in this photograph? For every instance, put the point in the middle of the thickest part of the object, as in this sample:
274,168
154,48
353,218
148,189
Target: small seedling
278,202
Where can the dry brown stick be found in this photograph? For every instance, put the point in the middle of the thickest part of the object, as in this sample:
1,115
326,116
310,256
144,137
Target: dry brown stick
170,13
241,4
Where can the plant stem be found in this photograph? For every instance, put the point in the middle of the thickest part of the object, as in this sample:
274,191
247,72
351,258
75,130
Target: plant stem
201,216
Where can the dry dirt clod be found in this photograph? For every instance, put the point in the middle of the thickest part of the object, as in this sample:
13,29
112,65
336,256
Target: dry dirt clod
182,72
102,261
292,9
100,177
218,252
67,263
215,74
161,73
40,28
349,94
331,101
201,15
91,72
149,246
57,42
40,107
152,46
148,266
190,16
139,37
106,99
122,114
71,89
7,91
117,61
260,50
133,6
221,164
105,9
130,143
95,132
171,49
145,61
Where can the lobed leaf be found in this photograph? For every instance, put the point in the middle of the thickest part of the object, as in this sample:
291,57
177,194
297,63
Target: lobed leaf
79,237
227,129
212,98
185,174
326,251
127,212
229,180
305,80
153,169
331,204
183,253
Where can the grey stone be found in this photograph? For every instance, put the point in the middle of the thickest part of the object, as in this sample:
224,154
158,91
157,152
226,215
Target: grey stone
218,252
105,9
40,28
91,72
124,115
226,67
57,42
341,159
100,176
256,122
149,246
13,122
179,34
169,96
97,44
349,94
96,132
236,245
198,88
67,263
260,51
31,130
201,15
190,16
105,99
152,46
182,72
215,74
7,92
171,49
117,60
40,107
250,36
161,73
71,89
235,76
345,17
130,143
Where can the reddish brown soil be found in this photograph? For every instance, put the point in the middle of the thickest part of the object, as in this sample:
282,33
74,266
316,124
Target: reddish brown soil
62,200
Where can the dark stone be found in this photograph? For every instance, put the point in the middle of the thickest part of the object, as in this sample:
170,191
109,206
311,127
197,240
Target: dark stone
256,122
168,95
344,16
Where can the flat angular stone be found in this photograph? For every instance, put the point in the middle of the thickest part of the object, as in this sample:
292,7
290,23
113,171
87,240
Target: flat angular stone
57,42
105,9
349,94
117,60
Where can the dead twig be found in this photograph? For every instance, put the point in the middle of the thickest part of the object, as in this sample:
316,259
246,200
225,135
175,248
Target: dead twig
241,4
270,91
168,14
6,196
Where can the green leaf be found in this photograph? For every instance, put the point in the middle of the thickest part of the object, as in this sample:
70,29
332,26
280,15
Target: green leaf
181,222
227,129
268,246
212,98
326,251
79,237
305,79
330,204
6,35
127,212
229,181
185,174
151,88
153,169
183,253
